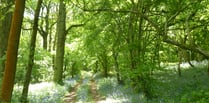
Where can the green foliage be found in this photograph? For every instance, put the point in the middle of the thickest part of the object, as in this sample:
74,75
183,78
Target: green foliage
200,96
42,70
2,59
118,27
5,8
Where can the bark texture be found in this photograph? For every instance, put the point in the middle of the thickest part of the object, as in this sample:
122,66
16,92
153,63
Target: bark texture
60,46
12,51
31,54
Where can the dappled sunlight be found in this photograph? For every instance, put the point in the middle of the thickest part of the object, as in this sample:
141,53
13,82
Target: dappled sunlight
200,64
184,65
40,86
111,100
115,93
45,92
70,82
86,74
123,97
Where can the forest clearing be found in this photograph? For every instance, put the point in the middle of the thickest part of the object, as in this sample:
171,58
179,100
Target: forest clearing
104,51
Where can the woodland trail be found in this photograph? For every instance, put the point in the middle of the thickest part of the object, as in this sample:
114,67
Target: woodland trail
71,96
94,93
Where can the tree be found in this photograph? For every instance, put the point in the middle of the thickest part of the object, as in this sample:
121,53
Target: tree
60,45
145,25
12,51
31,54
61,34
46,24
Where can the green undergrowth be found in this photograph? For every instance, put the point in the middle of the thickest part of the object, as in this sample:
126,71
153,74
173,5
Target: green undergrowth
115,93
41,93
166,87
44,92
191,87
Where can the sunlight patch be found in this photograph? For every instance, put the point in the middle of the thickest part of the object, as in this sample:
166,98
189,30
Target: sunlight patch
40,86
111,100
185,65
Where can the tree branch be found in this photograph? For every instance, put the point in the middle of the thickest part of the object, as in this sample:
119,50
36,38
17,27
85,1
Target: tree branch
109,10
160,31
72,26
125,11
187,47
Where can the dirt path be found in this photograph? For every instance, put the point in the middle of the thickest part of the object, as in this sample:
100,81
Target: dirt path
94,93
71,96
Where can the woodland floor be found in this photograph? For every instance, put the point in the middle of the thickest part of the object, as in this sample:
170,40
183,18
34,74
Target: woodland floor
71,97
166,87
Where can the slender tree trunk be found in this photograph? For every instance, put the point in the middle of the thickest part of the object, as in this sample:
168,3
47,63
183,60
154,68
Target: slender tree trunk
45,41
61,33
50,41
180,61
31,54
12,51
208,67
115,56
4,33
96,67
73,69
44,29
104,61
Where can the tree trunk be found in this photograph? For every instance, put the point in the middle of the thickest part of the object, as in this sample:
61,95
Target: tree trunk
104,61
31,54
4,33
115,56
45,41
96,66
208,67
61,33
44,29
12,51
73,69
180,61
